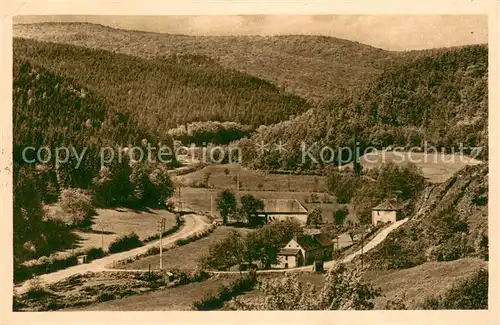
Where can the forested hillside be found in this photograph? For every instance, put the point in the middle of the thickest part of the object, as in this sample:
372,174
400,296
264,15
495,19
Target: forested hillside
314,67
441,99
168,91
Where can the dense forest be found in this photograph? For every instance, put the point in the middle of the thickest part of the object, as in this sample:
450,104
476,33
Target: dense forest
441,100
168,91
56,113
313,67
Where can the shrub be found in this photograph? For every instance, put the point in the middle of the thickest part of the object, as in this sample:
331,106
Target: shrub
192,238
105,297
36,289
340,215
94,253
77,205
125,243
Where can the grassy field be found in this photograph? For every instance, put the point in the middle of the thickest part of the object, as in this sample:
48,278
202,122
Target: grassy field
178,298
417,283
437,168
423,281
253,180
184,257
112,223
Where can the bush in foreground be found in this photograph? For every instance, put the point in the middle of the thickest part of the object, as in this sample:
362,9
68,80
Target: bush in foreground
125,243
77,205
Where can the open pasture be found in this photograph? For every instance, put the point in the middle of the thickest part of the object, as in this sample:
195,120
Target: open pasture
436,167
109,224
226,175
183,257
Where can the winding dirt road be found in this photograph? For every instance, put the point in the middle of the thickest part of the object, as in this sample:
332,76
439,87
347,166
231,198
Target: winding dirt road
192,224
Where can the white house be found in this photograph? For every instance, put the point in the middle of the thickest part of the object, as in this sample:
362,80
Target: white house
387,211
304,250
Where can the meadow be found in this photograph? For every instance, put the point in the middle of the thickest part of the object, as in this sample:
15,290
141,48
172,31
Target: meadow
225,176
110,224
183,257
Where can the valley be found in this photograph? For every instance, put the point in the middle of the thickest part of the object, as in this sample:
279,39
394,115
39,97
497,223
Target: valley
403,222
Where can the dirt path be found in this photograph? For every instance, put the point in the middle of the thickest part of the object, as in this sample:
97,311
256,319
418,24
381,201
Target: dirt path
193,223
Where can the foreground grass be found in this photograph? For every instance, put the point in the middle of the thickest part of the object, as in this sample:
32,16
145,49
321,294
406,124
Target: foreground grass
423,281
183,257
178,298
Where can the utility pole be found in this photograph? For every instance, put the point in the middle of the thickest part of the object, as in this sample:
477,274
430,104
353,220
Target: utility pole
362,244
161,229
212,203
102,237
179,199
357,169
238,183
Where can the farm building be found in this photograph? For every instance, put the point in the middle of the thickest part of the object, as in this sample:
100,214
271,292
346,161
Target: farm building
387,211
304,250
283,209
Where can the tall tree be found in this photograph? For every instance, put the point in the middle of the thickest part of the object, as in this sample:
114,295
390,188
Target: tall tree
249,207
227,205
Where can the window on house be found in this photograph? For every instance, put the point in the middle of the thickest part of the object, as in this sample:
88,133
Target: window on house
286,258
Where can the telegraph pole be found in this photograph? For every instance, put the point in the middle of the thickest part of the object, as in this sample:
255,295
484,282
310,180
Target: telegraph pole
238,183
179,199
102,237
161,229
362,244
212,203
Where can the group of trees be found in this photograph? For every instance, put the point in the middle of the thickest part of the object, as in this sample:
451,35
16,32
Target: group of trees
259,245
401,182
227,205
343,289
202,133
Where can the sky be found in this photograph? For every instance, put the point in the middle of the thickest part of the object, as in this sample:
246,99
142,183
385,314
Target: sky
392,32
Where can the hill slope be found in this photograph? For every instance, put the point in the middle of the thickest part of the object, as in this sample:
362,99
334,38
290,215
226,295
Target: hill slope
167,91
451,223
314,67
441,99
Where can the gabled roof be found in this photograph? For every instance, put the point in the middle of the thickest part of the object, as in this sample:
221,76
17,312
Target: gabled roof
388,205
288,251
312,242
283,205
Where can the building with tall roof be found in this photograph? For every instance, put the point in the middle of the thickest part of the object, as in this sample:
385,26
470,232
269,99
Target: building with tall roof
283,209
387,211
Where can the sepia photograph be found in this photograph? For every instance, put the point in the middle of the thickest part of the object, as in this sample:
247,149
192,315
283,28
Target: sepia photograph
250,162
